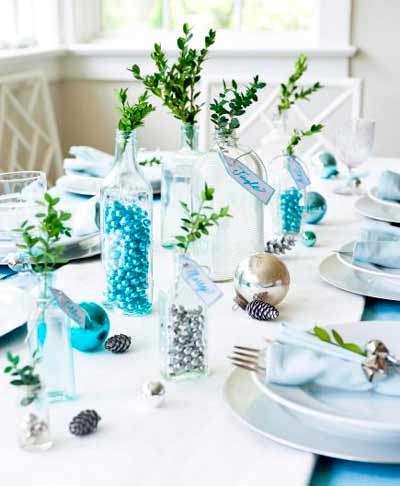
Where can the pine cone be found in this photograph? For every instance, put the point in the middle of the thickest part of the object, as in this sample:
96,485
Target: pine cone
84,423
257,309
278,246
118,343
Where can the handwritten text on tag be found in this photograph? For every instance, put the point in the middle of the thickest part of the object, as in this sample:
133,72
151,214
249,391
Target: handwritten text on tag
299,177
247,178
68,306
199,281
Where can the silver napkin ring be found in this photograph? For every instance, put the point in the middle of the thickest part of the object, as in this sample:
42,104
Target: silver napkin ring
376,363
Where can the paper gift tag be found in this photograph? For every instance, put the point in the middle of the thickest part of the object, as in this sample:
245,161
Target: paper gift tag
199,281
299,177
247,178
68,306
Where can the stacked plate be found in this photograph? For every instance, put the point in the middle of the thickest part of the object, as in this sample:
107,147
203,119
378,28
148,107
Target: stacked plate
360,426
364,278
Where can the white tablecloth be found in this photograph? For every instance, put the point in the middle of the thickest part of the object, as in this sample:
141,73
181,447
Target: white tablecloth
194,439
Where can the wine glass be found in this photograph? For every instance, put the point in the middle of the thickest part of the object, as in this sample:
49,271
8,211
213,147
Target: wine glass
19,193
354,142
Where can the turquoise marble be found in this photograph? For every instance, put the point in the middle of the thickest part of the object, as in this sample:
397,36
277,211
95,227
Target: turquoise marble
309,238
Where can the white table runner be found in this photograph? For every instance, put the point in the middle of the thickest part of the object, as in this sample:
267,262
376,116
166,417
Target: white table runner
194,439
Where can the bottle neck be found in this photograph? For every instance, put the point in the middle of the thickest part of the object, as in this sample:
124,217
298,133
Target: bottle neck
125,151
279,121
189,137
46,281
223,139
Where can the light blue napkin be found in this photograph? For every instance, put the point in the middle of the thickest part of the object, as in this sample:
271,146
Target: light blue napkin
88,161
299,358
389,186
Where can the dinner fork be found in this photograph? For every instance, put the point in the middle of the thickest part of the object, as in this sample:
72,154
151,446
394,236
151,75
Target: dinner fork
247,358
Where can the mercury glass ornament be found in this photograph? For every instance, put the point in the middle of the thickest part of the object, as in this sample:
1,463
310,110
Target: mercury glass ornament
95,332
263,276
286,208
176,183
49,334
126,201
309,238
315,208
233,238
33,424
154,393
183,330
276,139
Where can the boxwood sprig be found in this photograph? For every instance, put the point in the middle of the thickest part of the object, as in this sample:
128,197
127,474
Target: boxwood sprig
232,103
323,335
298,135
24,376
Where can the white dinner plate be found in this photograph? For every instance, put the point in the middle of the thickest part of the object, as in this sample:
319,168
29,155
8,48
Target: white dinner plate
376,210
369,268
362,415
15,307
266,417
373,194
334,272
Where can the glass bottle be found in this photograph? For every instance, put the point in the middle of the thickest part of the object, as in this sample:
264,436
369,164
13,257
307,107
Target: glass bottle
287,204
183,330
126,201
49,333
175,183
276,140
237,237
33,424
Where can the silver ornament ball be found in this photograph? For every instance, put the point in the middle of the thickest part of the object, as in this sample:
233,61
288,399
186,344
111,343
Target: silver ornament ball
262,275
154,393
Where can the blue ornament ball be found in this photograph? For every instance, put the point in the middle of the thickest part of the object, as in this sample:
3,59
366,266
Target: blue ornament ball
309,238
328,165
95,332
315,207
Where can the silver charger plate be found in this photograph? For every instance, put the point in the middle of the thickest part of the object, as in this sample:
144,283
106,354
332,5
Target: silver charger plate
334,272
369,268
266,417
376,210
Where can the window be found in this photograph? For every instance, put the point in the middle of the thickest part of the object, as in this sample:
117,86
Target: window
16,24
251,17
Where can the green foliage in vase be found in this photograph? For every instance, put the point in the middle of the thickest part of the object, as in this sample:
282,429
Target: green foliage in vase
323,335
291,92
175,84
41,242
24,376
298,135
150,162
132,116
232,103
196,224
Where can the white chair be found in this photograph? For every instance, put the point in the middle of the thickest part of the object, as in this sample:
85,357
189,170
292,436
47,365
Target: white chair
338,101
28,131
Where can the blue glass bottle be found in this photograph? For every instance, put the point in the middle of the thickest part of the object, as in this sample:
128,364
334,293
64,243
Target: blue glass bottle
49,335
126,201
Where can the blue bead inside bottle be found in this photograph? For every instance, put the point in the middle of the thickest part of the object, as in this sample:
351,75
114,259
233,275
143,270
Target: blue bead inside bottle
291,210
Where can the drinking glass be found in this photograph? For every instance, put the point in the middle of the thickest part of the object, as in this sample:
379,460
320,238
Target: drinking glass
354,142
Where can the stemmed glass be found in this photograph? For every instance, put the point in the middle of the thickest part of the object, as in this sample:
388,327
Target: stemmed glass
19,193
354,142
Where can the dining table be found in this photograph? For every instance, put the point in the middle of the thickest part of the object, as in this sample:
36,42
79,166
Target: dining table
193,438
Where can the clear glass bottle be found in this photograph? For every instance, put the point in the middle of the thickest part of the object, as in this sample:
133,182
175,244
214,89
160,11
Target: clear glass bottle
287,204
33,424
126,202
276,140
49,333
175,183
237,237
183,330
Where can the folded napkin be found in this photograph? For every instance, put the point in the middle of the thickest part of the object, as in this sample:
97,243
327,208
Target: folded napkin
88,161
389,186
300,358
379,243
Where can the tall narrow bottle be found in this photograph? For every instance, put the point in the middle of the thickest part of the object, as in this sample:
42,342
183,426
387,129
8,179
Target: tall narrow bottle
176,183
237,237
126,201
275,141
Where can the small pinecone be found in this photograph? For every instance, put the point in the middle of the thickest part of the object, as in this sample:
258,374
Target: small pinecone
84,423
118,343
257,309
278,246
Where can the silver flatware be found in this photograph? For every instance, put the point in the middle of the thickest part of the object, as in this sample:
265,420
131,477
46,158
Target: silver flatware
247,359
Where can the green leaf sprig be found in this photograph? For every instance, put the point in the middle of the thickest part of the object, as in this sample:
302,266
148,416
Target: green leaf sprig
150,162
176,84
298,135
291,92
132,116
323,335
232,103
24,376
41,242
196,224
